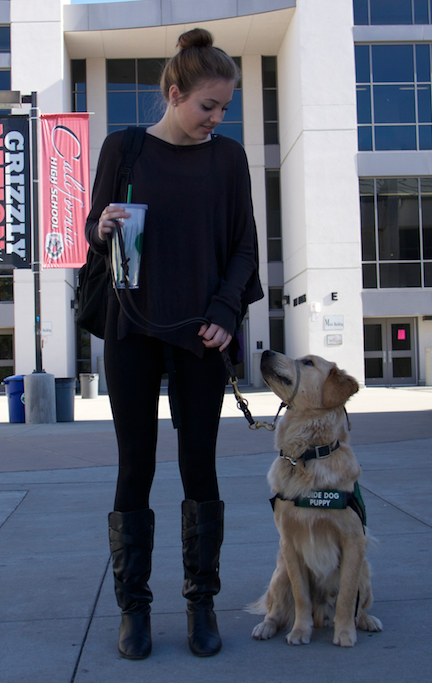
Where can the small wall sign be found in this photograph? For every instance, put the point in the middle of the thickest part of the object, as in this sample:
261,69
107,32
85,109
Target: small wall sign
333,322
334,339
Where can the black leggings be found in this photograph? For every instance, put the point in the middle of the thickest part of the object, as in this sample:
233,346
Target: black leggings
134,367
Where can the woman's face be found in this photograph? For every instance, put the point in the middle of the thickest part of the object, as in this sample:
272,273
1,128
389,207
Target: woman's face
195,117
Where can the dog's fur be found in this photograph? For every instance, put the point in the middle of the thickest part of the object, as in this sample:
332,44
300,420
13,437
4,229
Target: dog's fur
321,569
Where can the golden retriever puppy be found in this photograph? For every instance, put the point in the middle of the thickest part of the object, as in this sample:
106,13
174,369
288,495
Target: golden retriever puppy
322,576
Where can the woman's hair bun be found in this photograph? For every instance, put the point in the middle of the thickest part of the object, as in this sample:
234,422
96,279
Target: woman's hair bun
197,37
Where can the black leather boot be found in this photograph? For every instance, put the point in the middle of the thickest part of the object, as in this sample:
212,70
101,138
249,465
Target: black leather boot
131,543
202,535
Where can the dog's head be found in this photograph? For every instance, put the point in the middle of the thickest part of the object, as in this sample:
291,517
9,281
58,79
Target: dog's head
308,383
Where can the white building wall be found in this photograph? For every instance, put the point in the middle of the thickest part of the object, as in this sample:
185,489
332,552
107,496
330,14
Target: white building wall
253,132
319,182
39,62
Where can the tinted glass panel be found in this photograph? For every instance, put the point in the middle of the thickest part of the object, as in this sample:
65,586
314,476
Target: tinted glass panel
271,136
369,276
6,288
402,367
424,104
120,74
364,114
149,73
6,347
425,137
362,63
4,38
373,337
423,62
395,137
373,368
277,335
394,104
426,204
421,14
361,12
273,204
428,274
231,130
274,250
5,80
400,275
275,298
151,106
390,12
78,67
270,105
393,63
401,337
5,371
364,135
269,72
367,213
235,110
398,219
122,108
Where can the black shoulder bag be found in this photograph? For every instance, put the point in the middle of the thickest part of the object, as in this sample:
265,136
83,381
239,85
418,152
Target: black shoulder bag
94,275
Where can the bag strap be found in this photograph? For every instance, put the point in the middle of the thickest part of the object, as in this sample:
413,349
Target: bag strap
132,145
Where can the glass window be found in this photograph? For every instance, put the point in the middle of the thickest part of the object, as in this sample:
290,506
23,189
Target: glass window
6,347
421,12
364,135
235,108
400,275
149,73
402,367
373,337
369,276
277,342
393,104
79,85
425,137
424,104
6,286
362,63
367,211
151,106
273,212
122,108
384,12
393,63
364,111
423,63
428,274
398,219
373,368
395,137
120,74
401,337
426,213
5,79
5,43
270,100
275,298
361,15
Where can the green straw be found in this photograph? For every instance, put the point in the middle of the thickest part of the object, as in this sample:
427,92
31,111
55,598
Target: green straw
129,194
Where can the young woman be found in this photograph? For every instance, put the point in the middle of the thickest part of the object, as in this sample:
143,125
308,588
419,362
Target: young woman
199,260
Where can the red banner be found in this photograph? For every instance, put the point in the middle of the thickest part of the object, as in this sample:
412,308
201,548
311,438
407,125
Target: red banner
65,189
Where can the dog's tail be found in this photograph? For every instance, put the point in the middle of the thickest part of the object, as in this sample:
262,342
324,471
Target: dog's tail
258,607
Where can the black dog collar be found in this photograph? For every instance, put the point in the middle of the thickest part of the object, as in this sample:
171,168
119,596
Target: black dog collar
316,453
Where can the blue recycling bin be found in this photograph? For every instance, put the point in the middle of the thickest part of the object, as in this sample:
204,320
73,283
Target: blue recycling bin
15,393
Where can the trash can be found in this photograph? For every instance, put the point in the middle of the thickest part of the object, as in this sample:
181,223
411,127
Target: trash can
15,393
65,398
89,385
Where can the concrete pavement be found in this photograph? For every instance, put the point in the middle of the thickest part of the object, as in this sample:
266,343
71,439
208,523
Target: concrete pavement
58,617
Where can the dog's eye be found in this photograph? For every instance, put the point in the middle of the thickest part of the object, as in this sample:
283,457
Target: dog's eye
307,361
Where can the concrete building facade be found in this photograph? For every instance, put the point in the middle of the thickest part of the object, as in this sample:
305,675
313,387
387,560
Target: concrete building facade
368,308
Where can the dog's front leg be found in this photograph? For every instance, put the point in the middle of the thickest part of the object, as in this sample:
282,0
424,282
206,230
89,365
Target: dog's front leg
297,573
351,562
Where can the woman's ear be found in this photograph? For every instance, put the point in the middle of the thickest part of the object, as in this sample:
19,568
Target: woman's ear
338,388
174,94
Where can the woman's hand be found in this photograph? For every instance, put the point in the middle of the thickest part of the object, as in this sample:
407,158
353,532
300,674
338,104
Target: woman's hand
106,220
214,336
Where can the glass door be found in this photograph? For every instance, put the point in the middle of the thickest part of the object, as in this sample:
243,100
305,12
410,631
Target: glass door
390,352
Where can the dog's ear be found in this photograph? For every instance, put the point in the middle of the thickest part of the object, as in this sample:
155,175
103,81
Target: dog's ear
338,387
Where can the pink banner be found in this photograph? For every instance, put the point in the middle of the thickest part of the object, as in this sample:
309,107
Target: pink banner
65,189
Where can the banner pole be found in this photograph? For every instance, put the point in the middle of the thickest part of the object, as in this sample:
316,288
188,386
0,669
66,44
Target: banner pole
34,119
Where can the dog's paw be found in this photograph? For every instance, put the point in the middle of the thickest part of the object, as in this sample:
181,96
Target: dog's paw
368,623
265,630
345,637
299,636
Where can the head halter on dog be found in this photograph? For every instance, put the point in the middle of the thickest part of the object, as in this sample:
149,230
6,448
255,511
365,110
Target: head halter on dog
296,384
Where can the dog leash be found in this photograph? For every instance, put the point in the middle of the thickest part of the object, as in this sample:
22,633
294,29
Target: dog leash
242,403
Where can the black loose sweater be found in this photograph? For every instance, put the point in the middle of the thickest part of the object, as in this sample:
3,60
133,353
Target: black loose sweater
199,254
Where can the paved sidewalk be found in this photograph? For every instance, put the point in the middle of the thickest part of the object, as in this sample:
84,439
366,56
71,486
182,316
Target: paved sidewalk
58,617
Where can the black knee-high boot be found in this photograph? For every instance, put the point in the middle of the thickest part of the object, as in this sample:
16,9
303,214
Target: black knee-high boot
202,535
131,543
